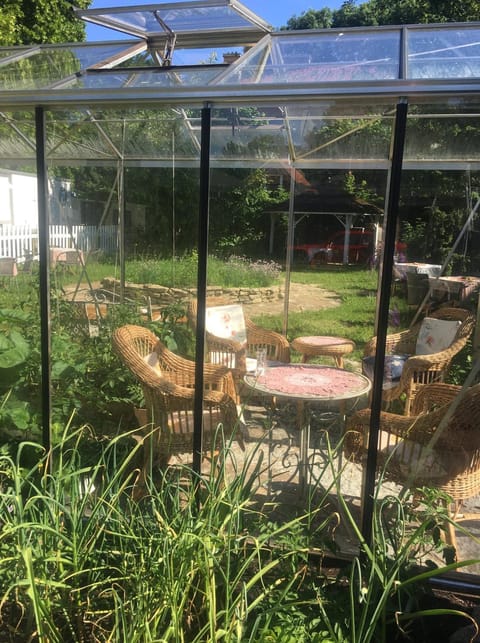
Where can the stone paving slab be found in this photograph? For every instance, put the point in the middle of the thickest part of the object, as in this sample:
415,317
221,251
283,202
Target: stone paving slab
272,445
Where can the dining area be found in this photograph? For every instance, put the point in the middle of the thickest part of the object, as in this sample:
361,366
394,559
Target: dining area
285,405
425,284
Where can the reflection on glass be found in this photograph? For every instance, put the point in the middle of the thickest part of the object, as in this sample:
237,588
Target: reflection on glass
444,53
17,137
5,52
165,77
179,20
139,134
52,64
443,135
339,130
312,58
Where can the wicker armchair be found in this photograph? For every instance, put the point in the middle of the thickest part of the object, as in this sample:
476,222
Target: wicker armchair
423,369
451,465
233,354
168,384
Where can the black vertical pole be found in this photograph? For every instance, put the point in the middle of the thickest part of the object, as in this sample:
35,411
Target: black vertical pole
44,276
121,225
203,223
383,309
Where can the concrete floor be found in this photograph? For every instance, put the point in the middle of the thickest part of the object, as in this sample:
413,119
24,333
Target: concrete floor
272,444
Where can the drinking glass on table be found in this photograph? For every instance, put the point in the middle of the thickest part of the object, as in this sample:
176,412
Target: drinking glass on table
261,361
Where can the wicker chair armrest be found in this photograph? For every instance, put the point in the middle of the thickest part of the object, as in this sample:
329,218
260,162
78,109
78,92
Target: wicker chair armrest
263,337
420,363
415,428
402,342
218,392
216,376
399,425
224,343
219,378
433,396
229,346
437,361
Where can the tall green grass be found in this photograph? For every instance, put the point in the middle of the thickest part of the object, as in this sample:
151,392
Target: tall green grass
196,559
81,560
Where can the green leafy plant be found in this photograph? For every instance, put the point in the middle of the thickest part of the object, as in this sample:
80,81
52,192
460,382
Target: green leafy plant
14,351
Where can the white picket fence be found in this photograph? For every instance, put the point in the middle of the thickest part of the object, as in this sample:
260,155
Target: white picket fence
18,241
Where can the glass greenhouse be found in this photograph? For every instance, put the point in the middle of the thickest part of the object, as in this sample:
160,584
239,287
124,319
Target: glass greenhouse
207,133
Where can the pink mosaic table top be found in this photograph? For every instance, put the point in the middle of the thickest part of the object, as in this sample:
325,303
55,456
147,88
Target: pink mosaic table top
310,382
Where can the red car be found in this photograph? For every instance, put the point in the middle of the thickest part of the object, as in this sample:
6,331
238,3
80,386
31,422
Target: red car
360,248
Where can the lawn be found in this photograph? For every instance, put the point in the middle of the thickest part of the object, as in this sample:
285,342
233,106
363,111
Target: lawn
354,319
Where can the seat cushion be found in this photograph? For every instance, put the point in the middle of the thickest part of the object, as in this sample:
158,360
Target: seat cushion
392,370
436,335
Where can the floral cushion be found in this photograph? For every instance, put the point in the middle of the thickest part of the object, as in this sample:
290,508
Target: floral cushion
392,369
436,335
227,322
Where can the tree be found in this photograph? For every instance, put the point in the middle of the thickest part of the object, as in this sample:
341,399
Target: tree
387,12
311,19
25,22
402,12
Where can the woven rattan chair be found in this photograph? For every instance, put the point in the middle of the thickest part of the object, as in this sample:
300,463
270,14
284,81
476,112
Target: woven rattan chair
422,369
168,384
452,464
232,353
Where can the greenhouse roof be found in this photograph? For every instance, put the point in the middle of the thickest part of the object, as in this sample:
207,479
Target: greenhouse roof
189,24
310,98
169,60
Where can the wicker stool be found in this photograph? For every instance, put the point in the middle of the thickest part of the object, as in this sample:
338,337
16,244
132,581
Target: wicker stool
315,346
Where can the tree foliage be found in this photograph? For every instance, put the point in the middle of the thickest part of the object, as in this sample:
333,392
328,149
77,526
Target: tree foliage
387,12
238,223
25,22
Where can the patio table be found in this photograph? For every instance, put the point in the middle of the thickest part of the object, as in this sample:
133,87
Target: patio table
453,289
308,384
430,269
326,345
65,256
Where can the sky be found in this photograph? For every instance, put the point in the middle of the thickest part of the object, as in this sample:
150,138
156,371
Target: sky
275,12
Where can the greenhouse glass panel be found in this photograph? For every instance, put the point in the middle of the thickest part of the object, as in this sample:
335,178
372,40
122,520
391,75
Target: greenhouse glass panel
443,134
164,77
341,131
248,133
142,135
305,166
321,57
52,64
111,217
440,283
19,292
180,18
444,53
17,137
